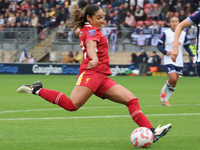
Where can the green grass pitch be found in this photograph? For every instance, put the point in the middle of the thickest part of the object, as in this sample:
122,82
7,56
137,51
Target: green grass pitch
28,122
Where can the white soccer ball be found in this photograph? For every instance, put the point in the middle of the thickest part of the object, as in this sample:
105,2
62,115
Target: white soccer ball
142,137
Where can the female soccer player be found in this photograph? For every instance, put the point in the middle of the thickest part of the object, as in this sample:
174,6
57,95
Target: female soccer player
194,19
93,73
165,45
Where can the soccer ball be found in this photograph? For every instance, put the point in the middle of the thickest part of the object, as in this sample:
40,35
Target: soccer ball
142,137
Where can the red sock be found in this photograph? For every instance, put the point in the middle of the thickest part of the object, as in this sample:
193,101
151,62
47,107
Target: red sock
137,115
56,97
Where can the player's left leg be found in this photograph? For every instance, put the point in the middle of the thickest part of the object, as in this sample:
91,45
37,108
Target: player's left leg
119,94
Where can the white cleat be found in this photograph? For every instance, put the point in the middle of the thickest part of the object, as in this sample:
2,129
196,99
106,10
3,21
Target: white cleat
31,88
161,131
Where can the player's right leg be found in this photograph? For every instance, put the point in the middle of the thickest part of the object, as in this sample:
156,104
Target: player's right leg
79,95
119,94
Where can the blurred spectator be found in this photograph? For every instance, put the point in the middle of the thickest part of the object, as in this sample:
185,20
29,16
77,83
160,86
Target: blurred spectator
45,4
30,25
167,17
154,59
62,15
171,4
188,9
144,26
176,14
22,9
129,20
52,3
141,39
61,31
154,27
68,58
22,17
52,12
1,31
125,8
78,57
1,4
6,16
40,10
67,4
46,10
12,18
57,10
4,6
69,38
24,25
47,20
179,7
115,18
139,13
182,16
25,5
53,21
13,6
121,19
152,14
30,59
28,17
33,9
158,12
17,18
164,9
34,20
133,58
41,23
142,60
132,11
113,38
2,20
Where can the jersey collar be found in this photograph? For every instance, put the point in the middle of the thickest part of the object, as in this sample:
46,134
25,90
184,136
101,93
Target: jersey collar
87,24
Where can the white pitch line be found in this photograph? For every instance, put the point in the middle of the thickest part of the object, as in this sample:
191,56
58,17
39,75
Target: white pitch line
89,117
98,107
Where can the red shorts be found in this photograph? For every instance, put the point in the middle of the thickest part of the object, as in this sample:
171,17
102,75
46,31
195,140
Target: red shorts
98,82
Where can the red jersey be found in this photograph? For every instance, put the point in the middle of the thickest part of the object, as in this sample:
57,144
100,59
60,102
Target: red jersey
93,33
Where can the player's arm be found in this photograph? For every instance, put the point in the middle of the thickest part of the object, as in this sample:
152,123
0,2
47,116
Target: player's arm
160,44
91,46
77,31
184,24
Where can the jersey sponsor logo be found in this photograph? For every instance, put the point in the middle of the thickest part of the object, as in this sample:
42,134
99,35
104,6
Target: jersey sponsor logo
91,32
87,80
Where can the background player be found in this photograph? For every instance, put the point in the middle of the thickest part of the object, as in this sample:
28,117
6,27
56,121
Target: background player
173,69
93,73
194,19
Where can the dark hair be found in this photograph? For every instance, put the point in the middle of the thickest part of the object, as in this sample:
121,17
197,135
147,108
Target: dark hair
173,17
79,16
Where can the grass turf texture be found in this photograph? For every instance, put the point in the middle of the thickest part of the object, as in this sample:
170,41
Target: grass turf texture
48,127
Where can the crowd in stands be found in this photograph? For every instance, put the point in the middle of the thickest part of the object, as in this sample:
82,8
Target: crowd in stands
122,13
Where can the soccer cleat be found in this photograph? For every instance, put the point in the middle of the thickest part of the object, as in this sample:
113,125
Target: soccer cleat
166,103
31,88
161,131
162,97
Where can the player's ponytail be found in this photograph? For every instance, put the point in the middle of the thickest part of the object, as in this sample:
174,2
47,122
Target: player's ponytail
79,16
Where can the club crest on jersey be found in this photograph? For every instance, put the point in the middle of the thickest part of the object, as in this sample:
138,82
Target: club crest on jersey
91,32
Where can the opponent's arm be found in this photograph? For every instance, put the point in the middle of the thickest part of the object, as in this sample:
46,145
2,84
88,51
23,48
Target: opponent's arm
178,30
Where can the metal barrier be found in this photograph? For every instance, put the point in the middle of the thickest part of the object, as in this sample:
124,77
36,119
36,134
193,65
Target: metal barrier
14,37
